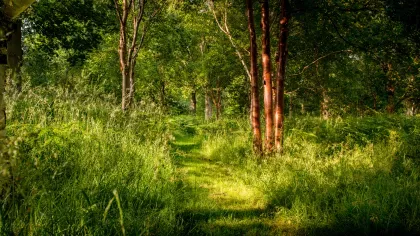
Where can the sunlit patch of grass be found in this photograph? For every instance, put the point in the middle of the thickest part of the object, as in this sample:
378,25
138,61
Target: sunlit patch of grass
347,176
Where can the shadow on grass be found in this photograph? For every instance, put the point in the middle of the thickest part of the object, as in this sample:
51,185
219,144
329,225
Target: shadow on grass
224,222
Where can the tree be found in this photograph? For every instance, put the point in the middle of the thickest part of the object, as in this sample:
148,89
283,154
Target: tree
255,103
281,73
266,63
71,25
130,43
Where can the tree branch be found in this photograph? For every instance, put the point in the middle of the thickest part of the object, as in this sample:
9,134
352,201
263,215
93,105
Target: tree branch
318,59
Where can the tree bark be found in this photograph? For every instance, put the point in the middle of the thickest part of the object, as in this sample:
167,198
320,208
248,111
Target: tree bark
14,55
3,68
325,114
193,103
217,100
290,105
255,112
281,73
208,113
122,52
390,87
266,63
163,94
129,46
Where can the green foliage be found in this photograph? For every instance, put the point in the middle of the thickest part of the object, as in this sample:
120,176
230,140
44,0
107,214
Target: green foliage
66,158
70,25
343,176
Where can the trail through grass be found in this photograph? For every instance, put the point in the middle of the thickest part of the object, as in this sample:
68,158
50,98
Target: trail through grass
216,200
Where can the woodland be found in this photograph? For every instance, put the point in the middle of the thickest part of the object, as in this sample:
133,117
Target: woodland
210,117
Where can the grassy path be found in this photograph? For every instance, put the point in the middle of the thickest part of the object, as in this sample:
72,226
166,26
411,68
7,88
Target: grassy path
215,199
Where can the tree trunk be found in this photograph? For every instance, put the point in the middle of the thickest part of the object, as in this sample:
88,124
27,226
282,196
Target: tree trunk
163,94
14,55
281,73
3,68
375,101
208,106
290,106
390,87
133,10
257,143
218,101
122,52
193,103
266,63
390,90
325,114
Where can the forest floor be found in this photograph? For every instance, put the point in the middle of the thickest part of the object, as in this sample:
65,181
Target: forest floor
216,200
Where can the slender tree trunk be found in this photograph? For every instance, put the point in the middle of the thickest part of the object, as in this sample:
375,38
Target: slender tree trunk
375,101
3,68
390,90
290,106
128,51
390,87
266,63
122,52
218,102
257,142
163,94
325,114
281,73
193,103
208,106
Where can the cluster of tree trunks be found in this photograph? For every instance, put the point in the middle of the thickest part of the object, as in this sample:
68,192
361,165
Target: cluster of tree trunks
131,42
128,52
271,137
213,97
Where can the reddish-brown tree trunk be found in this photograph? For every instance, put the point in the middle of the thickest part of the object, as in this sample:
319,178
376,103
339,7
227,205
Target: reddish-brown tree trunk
193,103
266,63
255,108
281,72
122,52
390,87
129,9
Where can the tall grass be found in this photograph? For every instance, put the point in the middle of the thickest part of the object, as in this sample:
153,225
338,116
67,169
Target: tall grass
344,176
75,164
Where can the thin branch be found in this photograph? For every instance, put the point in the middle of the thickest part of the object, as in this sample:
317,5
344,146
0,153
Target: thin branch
118,12
226,31
318,59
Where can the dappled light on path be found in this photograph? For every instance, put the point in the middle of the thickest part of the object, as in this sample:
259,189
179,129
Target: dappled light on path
215,200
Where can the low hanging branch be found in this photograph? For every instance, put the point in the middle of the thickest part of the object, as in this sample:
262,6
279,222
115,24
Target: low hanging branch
318,59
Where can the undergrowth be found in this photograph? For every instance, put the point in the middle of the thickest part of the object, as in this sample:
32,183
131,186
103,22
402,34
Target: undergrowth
341,176
81,166
75,164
